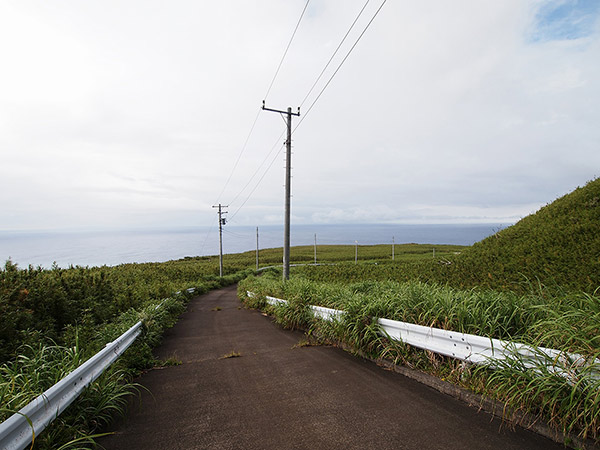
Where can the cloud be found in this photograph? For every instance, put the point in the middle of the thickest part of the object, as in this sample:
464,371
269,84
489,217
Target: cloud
136,113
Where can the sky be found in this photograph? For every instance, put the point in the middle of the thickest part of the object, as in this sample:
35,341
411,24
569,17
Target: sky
143,114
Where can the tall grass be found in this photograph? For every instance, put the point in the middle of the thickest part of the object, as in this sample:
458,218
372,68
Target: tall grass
568,323
38,366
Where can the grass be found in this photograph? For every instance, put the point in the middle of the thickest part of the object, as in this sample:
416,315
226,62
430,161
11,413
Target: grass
568,322
171,361
536,282
231,354
40,362
38,368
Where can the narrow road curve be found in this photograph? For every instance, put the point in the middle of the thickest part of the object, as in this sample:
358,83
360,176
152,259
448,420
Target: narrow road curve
275,396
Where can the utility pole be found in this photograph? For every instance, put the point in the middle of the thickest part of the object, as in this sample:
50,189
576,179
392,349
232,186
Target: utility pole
355,252
222,221
315,248
393,244
288,187
256,248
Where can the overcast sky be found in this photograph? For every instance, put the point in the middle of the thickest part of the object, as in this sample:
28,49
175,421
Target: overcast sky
134,113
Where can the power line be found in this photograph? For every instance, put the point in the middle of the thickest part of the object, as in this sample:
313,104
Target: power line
240,155
236,235
257,184
286,50
259,167
340,65
309,92
334,53
206,237
258,113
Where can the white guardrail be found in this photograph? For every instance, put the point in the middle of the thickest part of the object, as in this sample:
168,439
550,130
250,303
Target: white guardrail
18,430
469,347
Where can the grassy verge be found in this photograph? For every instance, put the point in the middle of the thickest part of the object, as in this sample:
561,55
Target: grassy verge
569,323
40,365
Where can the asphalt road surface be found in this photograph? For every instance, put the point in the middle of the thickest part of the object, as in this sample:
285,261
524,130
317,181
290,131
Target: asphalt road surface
275,396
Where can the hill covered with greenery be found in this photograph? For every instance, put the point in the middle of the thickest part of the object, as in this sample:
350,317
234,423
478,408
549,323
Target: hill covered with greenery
559,245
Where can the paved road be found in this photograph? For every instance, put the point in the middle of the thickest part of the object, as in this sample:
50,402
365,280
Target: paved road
277,397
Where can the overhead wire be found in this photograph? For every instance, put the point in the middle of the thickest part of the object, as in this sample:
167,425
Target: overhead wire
286,50
258,169
258,113
339,66
240,155
334,53
257,184
208,234
309,92
236,235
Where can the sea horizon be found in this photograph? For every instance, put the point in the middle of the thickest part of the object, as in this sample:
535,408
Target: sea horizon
119,246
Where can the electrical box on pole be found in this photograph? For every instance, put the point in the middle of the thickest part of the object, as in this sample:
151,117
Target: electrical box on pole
288,187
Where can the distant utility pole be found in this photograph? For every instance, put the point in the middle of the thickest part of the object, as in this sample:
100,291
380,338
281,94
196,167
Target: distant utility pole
256,248
222,221
393,244
288,187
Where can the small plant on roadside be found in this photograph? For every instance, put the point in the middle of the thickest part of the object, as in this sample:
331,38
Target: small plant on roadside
231,354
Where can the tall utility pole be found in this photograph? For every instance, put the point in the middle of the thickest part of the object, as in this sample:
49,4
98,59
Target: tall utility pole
256,248
222,221
288,187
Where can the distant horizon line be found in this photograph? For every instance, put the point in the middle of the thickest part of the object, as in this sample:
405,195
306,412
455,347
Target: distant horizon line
159,228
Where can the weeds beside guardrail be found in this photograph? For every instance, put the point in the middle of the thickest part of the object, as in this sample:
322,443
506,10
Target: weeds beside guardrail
20,430
24,426
556,387
472,348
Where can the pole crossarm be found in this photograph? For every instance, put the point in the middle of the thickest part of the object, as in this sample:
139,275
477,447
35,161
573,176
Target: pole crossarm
279,111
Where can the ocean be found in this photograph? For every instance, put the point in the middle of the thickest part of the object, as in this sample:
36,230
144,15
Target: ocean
110,248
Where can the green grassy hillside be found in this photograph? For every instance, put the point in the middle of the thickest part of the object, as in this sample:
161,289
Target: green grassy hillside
559,246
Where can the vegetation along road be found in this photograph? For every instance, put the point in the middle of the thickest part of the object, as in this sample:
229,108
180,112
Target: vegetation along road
244,382
231,378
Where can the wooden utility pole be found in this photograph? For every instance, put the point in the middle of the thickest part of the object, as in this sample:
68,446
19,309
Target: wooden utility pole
222,221
288,187
256,248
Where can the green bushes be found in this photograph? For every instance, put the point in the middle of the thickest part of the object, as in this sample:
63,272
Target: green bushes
559,246
42,305
51,321
40,366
